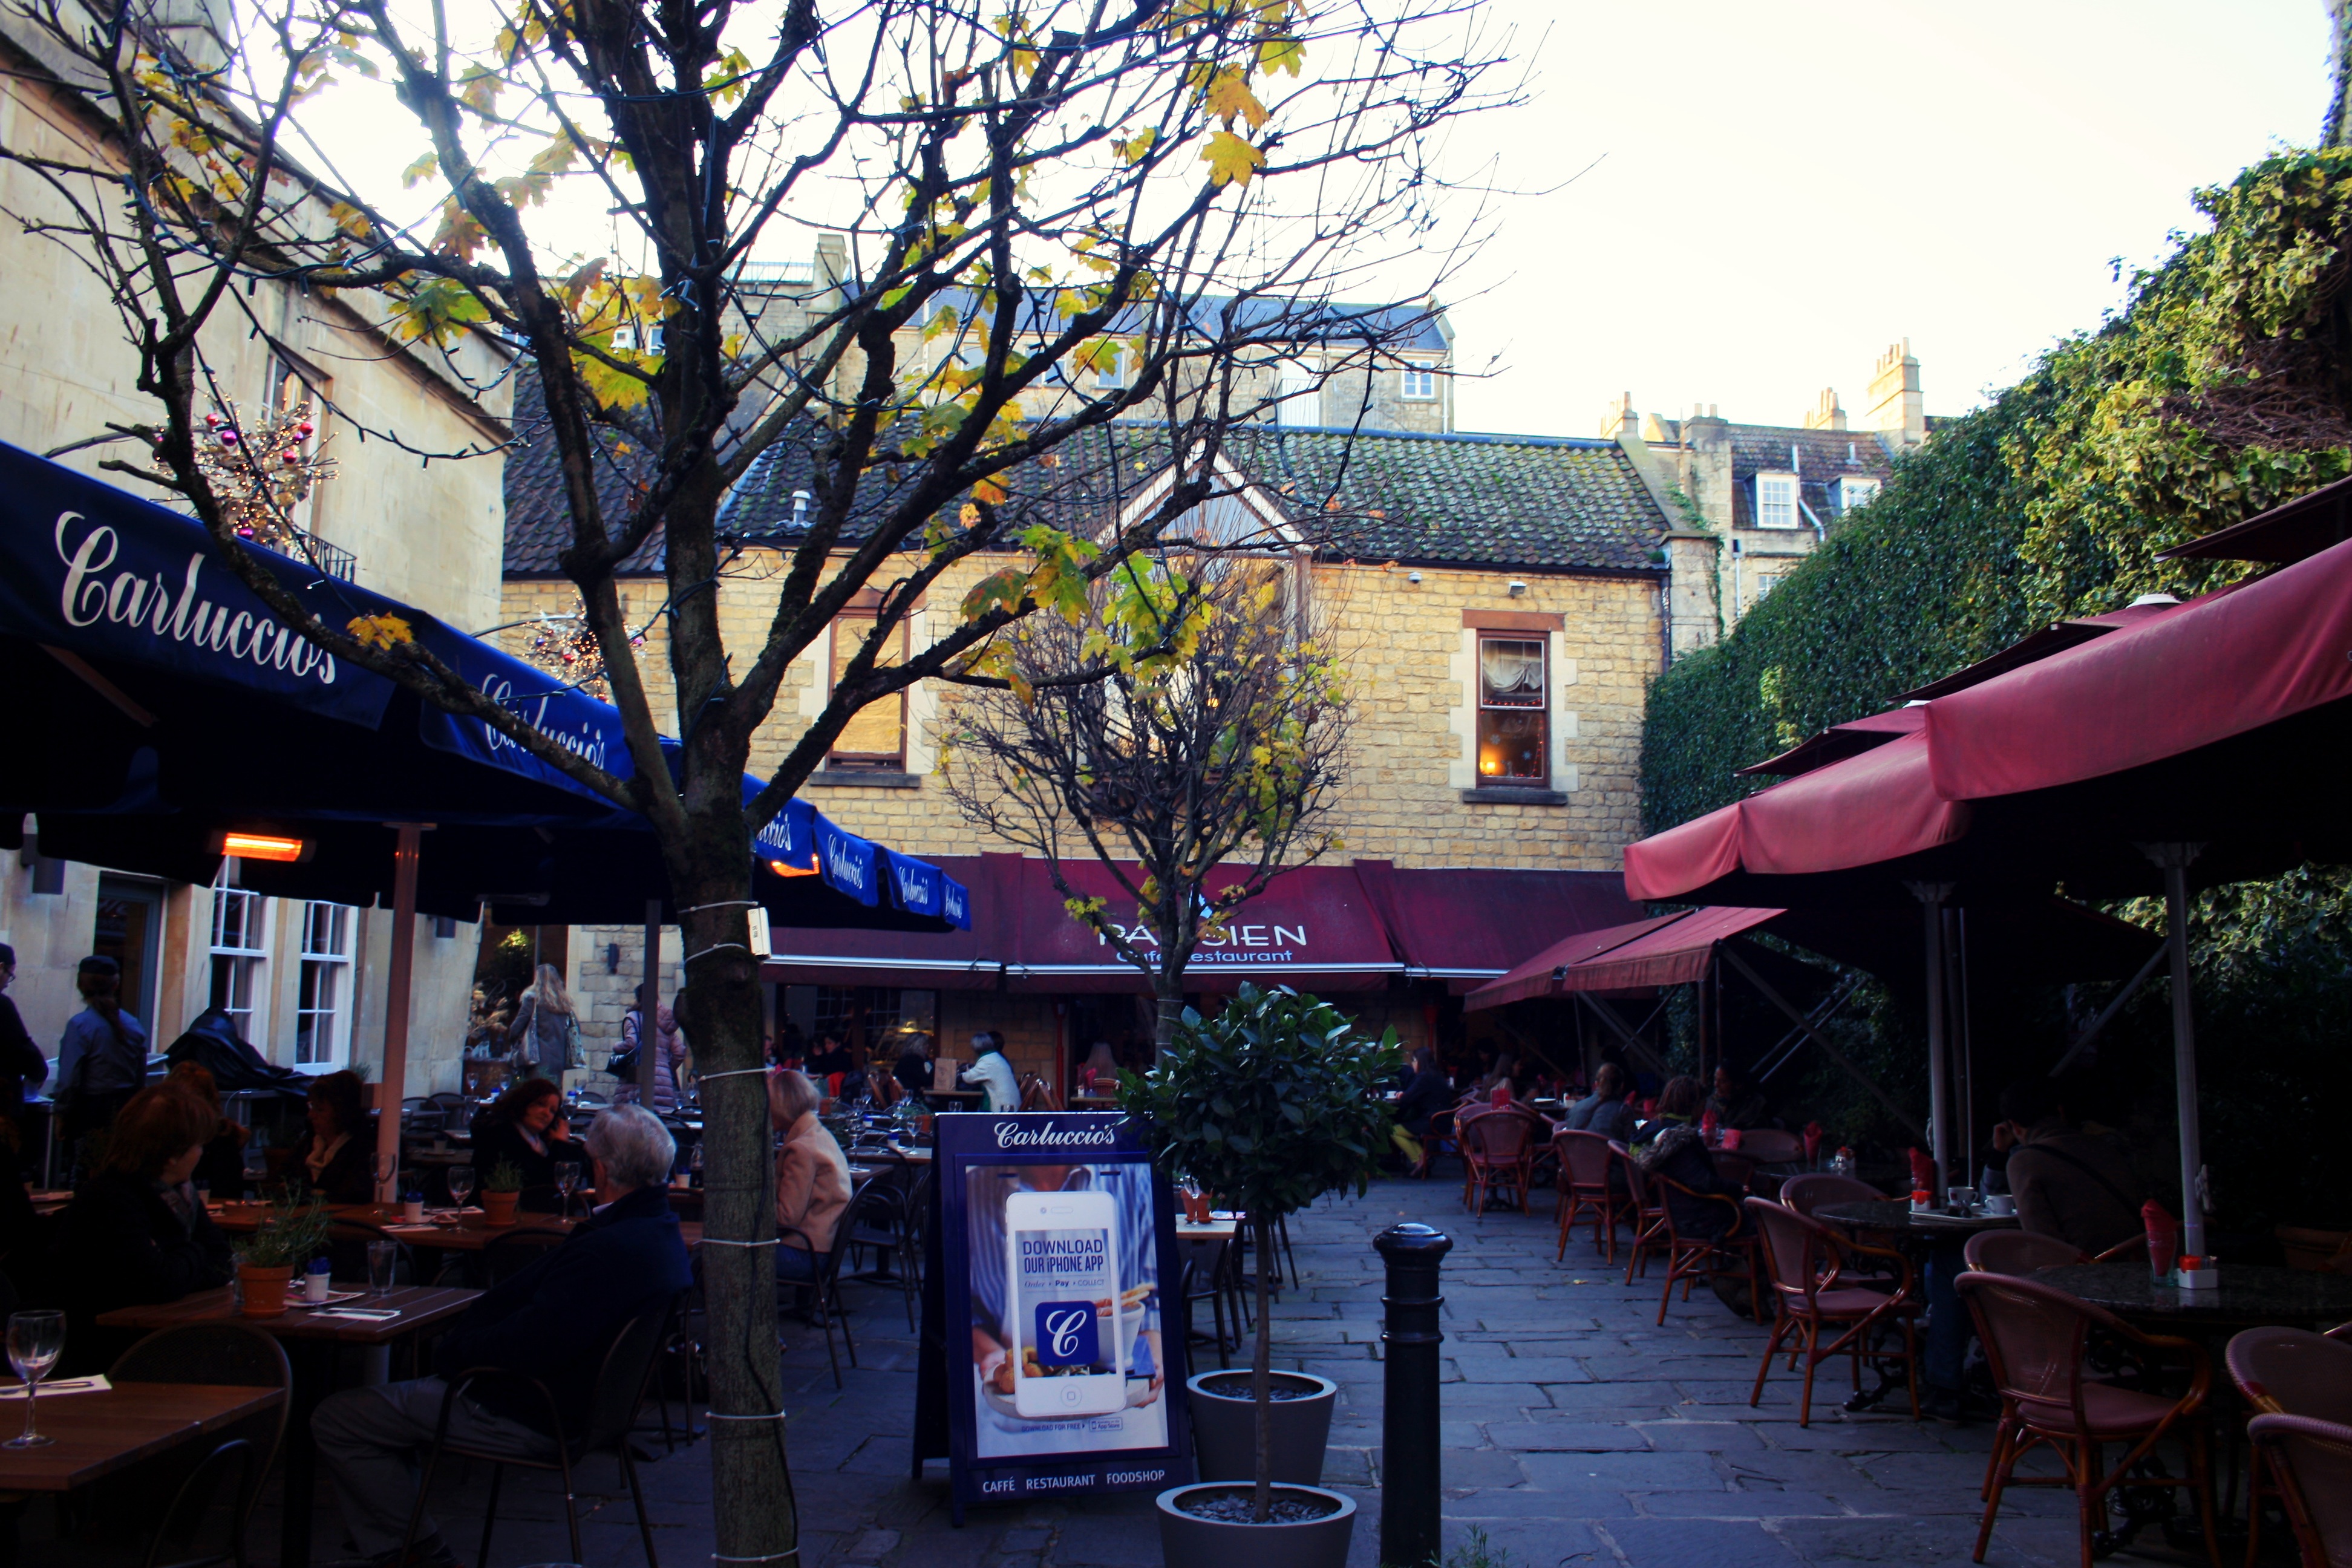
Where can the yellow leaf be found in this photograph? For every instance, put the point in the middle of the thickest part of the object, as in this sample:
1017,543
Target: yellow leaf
1230,96
989,490
1230,160
1134,149
419,171
380,631
1281,54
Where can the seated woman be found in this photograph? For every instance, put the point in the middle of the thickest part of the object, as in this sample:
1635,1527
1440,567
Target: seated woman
134,1234
812,1178
1673,1147
222,1169
913,1068
525,1128
335,1156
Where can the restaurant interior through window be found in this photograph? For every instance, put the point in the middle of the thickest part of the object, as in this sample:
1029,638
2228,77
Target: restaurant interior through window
876,1019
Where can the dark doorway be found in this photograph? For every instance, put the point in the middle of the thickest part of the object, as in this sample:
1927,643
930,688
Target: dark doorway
130,931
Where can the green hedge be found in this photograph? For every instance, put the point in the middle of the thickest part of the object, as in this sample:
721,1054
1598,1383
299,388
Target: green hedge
2053,500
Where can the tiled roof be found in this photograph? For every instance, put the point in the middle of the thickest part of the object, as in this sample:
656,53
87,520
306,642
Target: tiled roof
1399,328
1819,456
539,520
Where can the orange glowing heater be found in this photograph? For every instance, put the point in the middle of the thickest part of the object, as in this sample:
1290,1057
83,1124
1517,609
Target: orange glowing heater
781,869
263,847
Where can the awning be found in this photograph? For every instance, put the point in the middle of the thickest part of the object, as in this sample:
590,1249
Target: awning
1543,974
971,958
1670,950
1468,926
1839,742
2292,531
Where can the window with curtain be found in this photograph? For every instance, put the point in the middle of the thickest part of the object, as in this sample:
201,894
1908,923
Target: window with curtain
240,934
875,738
322,1013
1512,712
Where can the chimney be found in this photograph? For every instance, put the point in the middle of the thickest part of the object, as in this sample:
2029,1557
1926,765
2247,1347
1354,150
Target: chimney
1829,415
1897,407
831,257
1621,416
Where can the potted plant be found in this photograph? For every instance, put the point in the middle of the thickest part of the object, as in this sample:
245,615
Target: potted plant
1271,1104
290,1235
500,1191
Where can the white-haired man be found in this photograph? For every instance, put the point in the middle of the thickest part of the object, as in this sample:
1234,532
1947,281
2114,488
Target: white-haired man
553,1321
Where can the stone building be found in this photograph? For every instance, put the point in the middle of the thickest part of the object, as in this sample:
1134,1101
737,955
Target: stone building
302,979
1752,501
1483,813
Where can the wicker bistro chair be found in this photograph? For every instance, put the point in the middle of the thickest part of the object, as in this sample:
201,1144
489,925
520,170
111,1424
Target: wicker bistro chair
1806,1264
1645,1209
2312,1461
1701,1257
1498,1151
2019,1253
2290,1371
620,1389
1589,1184
2034,1340
1815,1189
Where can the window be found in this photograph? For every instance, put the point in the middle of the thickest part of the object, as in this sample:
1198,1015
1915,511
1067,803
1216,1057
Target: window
1111,369
1301,395
876,736
322,1014
1513,704
1420,383
1848,492
1776,500
239,929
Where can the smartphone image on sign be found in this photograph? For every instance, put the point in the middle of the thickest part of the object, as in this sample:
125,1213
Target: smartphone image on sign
1062,1258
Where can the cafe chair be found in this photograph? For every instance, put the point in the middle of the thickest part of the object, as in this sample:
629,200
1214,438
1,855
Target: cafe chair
1498,1152
1806,1264
240,1458
869,1210
619,1390
2019,1254
2288,1371
1817,1189
1036,1095
508,1255
2034,1340
1586,1163
454,1116
2311,1460
1699,1257
1770,1146
1645,1209
420,1116
1734,1166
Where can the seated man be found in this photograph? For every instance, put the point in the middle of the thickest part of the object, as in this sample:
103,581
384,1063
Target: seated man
1604,1111
2075,1186
552,1321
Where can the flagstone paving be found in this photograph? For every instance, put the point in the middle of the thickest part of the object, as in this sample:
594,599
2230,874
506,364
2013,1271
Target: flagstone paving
1578,1432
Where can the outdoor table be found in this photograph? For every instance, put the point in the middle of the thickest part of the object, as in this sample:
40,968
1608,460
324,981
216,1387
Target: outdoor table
97,1434
1912,1231
311,1338
1094,1101
2249,1296
472,1231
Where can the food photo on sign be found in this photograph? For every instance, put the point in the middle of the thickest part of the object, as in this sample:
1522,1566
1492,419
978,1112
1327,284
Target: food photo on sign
1068,1355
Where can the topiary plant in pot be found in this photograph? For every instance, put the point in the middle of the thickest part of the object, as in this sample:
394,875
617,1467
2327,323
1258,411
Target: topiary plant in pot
1271,1104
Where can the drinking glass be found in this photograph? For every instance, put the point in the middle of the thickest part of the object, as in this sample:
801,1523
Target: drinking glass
381,1165
567,1182
461,1183
34,1341
382,1259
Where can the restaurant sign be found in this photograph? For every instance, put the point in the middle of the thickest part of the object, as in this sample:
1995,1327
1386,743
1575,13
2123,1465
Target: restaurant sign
1053,1357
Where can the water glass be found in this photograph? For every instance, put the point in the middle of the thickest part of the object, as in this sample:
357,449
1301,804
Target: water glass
382,1259
567,1182
461,1183
34,1341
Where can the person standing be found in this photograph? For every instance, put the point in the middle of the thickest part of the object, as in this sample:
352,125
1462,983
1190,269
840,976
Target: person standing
22,1065
102,1059
545,1026
670,1057
992,1073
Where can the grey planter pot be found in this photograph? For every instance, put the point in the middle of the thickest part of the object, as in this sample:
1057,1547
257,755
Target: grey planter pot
1225,1429
1186,1542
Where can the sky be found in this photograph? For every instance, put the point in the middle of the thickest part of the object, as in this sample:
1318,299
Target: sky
1776,192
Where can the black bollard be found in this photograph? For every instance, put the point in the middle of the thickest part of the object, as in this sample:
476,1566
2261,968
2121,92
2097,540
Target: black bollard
1409,1435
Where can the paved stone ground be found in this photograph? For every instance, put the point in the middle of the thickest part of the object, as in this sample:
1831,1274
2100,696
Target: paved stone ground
1578,1432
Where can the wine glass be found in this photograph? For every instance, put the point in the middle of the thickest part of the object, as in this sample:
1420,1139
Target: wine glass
383,1166
461,1183
567,1182
34,1341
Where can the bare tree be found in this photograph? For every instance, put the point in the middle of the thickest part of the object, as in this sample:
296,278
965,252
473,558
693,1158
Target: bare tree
1224,751
1056,217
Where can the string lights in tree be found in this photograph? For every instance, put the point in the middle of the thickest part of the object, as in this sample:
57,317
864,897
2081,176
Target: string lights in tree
565,647
260,470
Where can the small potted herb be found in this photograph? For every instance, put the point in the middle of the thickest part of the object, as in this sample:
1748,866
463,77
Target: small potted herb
1271,1104
501,1189
290,1235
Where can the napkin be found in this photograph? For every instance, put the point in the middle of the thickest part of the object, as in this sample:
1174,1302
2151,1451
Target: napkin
1923,1172
1707,1125
1813,1141
1731,1139
2163,1236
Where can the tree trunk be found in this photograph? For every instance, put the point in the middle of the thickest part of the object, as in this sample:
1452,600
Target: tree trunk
2335,128
1169,989
1262,1366
718,1006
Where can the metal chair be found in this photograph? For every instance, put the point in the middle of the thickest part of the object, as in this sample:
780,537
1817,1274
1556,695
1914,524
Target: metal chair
1498,1151
1816,1188
1770,1146
1648,1211
2034,1340
456,1115
1804,1262
504,1257
1700,1255
2312,1460
2287,1372
227,1353
868,1208
1587,1182
2019,1254
618,1389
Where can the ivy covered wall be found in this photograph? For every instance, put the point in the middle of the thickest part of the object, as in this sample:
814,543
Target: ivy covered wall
2219,391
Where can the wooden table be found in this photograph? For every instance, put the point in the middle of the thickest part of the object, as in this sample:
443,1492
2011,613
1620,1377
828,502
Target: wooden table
311,1338
473,1231
97,1434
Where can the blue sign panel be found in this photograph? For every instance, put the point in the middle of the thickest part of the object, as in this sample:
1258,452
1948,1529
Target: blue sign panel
851,865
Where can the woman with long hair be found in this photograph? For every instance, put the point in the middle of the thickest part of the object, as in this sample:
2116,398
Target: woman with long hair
134,1234
525,1128
222,1170
545,1025
103,1059
335,1156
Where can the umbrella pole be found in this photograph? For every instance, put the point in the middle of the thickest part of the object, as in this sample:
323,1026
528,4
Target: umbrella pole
396,1008
1931,897
649,1006
2175,858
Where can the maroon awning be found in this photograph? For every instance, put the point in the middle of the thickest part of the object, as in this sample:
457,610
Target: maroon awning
1539,975
1470,925
1312,928
1671,955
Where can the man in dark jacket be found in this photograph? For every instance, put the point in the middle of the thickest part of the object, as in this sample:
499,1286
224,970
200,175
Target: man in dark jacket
22,1065
1604,1111
552,1321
